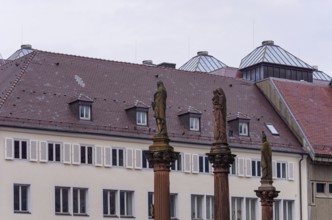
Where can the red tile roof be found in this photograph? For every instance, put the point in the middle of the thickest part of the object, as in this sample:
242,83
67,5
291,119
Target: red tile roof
311,105
43,85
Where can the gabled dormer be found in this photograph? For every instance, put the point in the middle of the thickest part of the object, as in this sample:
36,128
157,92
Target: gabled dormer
81,107
138,113
190,118
239,124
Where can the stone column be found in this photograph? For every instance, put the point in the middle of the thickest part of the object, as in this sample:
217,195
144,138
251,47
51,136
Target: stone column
161,155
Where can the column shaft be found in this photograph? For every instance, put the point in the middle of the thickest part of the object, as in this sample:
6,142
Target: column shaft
161,192
221,192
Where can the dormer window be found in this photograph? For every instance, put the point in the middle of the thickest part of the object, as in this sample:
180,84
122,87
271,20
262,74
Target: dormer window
85,112
243,129
141,118
194,123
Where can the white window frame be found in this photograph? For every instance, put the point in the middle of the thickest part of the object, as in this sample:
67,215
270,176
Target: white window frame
197,206
173,205
86,150
61,199
80,202
235,209
272,129
128,209
209,207
244,128
141,118
277,210
109,204
251,208
150,204
177,165
205,168
54,145
283,175
116,157
20,198
85,112
145,162
233,167
256,168
20,149
288,205
194,123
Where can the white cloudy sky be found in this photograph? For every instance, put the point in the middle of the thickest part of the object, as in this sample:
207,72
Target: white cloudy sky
169,30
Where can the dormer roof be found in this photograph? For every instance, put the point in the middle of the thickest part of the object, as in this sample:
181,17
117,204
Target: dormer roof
203,62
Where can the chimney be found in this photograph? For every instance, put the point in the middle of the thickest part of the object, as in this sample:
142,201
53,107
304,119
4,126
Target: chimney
202,53
167,65
268,43
26,46
148,63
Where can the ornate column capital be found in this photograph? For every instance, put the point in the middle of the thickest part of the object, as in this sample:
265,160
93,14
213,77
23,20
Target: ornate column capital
220,156
267,194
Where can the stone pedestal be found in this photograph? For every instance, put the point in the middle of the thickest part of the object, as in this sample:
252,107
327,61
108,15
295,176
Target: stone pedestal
266,192
161,155
221,158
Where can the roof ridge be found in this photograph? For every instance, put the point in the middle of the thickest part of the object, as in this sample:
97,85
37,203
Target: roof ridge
18,78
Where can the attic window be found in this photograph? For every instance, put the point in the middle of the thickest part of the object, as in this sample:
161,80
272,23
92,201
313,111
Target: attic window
243,128
85,112
272,129
141,118
194,123
190,118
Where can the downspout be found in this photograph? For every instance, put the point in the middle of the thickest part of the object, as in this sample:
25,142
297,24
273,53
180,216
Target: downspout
300,173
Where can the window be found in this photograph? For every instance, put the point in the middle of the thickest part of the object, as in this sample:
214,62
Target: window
117,157
141,118
232,168
126,203
194,123
237,208
209,207
150,205
85,112
277,210
243,129
203,164
330,188
320,187
251,209
272,129
20,149
281,170
62,200
146,163
256,168
177,165
86,154
79,201
196,206
54,152
21,198
109,202
173,205
288,210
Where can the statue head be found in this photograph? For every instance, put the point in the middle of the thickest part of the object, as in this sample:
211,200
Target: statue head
264,138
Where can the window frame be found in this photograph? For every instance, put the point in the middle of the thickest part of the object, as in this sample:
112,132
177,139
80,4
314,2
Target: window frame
80,203
256,169
54,151
241,131
177,165
284,177
88,154
22,153
209,207
205,166
141,118
235,202
84,112
109,204
128,209
286,208
116,157
196,206
194,123
251,214
20,197
61,200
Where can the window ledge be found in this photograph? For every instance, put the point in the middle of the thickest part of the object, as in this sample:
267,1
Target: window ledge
63,213
127,216
111,216
81,214
22,212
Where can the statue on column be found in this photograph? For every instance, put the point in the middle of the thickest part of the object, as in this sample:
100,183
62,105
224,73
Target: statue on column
266,159
219,112
159,108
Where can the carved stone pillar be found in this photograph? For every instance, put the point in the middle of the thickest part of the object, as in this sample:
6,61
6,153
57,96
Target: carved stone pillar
221,158
161,155
266,192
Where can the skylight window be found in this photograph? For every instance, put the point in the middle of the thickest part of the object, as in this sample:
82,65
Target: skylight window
272,129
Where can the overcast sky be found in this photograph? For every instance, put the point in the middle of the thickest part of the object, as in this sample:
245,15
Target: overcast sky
169,30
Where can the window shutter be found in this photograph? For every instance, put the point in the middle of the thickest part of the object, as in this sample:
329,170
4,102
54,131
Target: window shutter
138,159
187,163
76,154
98,156
248,168
211,168
33,151
236,166
290,170
195,162
43,152
274,170
240,166
107,157
66,153
9,149
129,158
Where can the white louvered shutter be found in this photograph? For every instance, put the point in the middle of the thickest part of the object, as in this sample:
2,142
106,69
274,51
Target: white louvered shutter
240,166
290,170
76,154
43,151
33,150
129,158
195,163
138,159
9,149
98,156
66,153
211,169
248,168
274,170
107,157
187,163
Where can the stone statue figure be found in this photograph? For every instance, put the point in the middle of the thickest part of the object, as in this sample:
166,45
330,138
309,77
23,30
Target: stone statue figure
219,112
159,108
266,159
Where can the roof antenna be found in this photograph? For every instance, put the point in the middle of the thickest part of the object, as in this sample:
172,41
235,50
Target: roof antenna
22,34
253,33
189,47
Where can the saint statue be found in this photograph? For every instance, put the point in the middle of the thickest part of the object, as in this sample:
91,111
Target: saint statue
266,159
219,112
159,108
